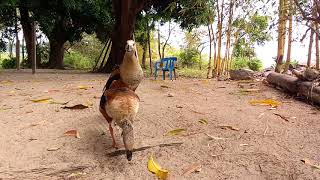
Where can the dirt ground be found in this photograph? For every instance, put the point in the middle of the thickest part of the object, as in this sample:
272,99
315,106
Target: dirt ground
260,144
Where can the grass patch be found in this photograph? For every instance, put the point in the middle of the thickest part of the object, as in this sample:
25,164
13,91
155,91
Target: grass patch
192,73
78,61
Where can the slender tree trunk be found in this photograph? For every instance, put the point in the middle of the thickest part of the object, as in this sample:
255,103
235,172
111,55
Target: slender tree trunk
166,42
149,47
144,54
22,48
17,43
227,53
281,34
209,73
159,42
286,67
56,54
26,24
220,19
310,49
33,48
316,25
11,48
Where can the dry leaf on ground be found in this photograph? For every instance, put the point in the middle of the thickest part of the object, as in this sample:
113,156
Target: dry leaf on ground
282,117
214,137
176,131
53,149
310,163
191,169
73,133
78,106
156,169
229,127
42,100
85,87
249,90
203,121
164,86
266,102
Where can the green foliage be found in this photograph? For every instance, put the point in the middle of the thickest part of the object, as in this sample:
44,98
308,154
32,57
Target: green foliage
239,63
78,61
250,32
294,63
255,64
189,57
9,63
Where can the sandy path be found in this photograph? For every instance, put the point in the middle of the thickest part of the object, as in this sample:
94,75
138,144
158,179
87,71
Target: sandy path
265,147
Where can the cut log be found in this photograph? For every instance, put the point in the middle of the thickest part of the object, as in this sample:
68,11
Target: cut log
294,85
289,83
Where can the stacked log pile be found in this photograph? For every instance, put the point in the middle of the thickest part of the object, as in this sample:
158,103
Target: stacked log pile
305,83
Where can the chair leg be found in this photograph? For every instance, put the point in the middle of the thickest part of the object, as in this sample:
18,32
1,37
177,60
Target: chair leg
155,74
174,72
164,75
170,75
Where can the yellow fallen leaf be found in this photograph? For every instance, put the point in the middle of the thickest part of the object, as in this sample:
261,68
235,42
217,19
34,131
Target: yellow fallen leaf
53,149
73,133
156,169
205,81
176,131
41,100
85,87
266,102
89,103
203,121
249,90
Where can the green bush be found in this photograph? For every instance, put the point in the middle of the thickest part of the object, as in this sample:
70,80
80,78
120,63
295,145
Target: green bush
189,57
239,63
78,61
255,64
26,63
9,63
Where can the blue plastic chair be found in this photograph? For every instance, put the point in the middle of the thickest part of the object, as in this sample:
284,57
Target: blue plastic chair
168,65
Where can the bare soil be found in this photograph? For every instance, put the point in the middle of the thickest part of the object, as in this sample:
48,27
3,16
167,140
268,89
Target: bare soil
258,145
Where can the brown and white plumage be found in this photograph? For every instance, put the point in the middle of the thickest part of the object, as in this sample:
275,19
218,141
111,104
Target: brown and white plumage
119,103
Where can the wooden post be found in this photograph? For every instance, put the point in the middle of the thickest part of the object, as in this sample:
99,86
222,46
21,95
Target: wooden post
33,48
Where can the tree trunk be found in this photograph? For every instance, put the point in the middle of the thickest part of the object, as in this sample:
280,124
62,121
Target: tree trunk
22,48
219,38
33,48
209,73
17,43
281,35
228,44
56,54
125,18
288,61
144,54
310,49
159,42
26,24
149,47
317,39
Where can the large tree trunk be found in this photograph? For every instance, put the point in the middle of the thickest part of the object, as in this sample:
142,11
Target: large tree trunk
17,43
125,18
219,38
56,54
27,29
317,47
